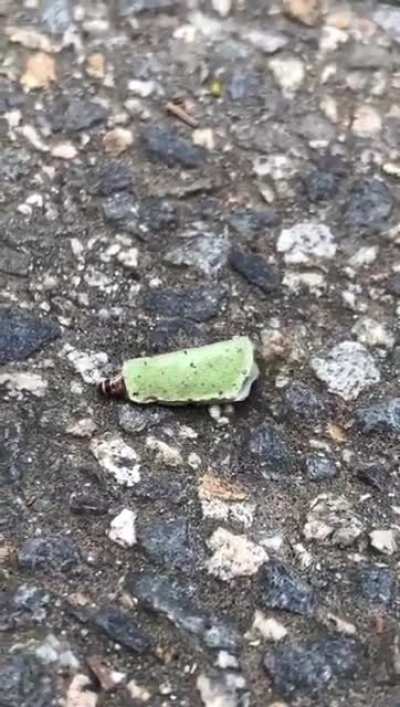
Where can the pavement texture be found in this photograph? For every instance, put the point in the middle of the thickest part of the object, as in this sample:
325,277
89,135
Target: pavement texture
172,174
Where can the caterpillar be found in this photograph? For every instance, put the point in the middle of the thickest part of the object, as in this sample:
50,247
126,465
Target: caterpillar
217,373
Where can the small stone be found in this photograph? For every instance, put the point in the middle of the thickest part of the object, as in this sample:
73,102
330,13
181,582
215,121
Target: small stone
40,71
165,453
255,270
373,333
25,682
367,122
199,304
137,692
245,86
78,115
128,258
113,176
392,169
119,627
319,467
85,427
332,517
221,690
385,541
321,185
380,417
135,419
138,7
269,449
347,369
22,334
250,222
288,72
225,501
144,89
56,15
268,42
96,66
303,402
160,594
374,475
166,146
90,366
369,206
87,504
202,250
56,652
117,458
17,382
308,667
108,678
376,584
388,18
64,151
169,542
392,285
306,243
282,588
116,141
222,7
54,552
277,166
204,137
308,12
234,555
313,282
269,629
122,528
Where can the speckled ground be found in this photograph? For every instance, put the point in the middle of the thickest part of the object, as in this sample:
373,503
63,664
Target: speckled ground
175,173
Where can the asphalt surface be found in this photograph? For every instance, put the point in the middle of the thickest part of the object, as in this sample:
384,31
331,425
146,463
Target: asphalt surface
174,174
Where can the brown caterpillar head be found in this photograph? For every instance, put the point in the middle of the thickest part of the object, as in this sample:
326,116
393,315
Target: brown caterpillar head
112,387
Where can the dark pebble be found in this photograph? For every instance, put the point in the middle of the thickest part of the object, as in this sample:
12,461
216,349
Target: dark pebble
58,553
269,451
162,595
172,334
112,177
56,15
21,334
135,419
308,667
121,210
320,185
320,468
77,115
303,402
197,303
87,504
25,683
249,222
155,487
166,146
255,270
374,475
169,542
118,626
24,608
370,205
383,417
14,164
137,7
283,588
393,285
248,87
376,584
13,262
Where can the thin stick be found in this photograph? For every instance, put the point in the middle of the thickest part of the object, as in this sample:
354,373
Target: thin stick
180,113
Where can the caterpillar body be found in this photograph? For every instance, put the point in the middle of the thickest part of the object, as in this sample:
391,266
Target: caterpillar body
216,373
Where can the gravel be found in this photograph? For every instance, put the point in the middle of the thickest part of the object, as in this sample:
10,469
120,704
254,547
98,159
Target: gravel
174,174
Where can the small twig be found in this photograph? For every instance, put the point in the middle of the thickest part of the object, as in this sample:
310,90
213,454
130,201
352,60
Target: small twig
180,113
